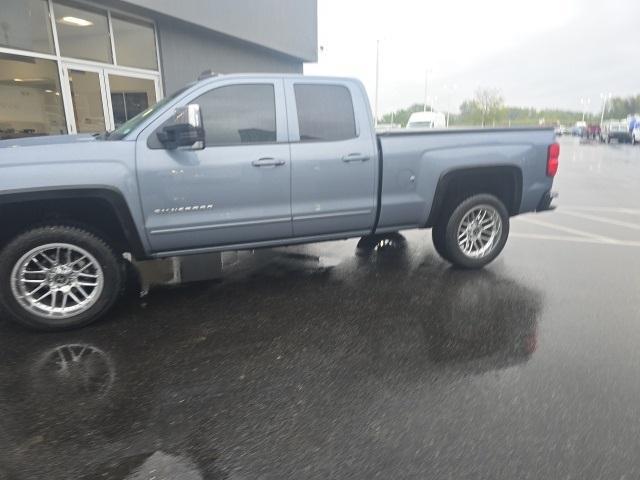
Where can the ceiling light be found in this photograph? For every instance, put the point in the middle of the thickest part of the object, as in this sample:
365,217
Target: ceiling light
48,91
17,80
78,22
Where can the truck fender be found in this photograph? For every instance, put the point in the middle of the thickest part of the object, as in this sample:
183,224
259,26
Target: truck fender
450,177
114,198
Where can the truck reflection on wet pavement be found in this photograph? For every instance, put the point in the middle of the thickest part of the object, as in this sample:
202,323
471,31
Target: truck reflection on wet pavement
298,358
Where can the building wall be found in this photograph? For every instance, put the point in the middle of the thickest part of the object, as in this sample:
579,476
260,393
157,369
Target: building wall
187,50
287,26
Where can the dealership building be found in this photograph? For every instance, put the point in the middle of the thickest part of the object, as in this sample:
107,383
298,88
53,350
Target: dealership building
88,66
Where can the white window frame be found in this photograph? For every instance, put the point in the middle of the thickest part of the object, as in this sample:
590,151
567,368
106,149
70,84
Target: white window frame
103,91
90,65
119,72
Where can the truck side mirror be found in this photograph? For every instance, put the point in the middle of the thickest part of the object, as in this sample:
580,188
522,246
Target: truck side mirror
185,131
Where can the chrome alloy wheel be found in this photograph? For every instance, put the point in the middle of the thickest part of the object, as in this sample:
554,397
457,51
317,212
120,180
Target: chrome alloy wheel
479,231
57,280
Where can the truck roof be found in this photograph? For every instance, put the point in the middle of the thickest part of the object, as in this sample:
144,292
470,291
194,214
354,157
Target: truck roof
294,76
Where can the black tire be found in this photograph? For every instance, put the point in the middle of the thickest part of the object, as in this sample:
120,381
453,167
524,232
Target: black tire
382,243
445,233
438,233
113,276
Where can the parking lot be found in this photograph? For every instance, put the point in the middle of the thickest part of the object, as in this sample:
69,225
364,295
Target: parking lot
323,361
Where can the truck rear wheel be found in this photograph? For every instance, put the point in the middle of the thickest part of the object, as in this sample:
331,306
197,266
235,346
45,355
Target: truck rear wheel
58,277
474,232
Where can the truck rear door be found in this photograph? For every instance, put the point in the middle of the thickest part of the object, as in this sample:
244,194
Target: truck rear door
333,158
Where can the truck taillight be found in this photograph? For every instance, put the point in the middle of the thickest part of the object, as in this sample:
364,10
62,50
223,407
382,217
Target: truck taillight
553,155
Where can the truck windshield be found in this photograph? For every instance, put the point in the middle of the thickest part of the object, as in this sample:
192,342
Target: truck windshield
128,126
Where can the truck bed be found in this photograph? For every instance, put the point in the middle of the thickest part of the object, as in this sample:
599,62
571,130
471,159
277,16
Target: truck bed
414,161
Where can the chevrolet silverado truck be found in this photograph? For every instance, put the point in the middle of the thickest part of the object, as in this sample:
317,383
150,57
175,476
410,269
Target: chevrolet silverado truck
242,162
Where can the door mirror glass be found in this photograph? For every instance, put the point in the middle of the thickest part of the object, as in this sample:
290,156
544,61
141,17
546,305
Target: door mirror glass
185,131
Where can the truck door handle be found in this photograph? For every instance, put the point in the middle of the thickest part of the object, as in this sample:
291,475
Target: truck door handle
267,162
355,157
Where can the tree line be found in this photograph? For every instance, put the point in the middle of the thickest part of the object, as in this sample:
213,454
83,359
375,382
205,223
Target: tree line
620,107
487,108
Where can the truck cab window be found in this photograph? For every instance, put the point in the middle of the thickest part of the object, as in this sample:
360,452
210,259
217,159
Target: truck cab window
239,114
325,113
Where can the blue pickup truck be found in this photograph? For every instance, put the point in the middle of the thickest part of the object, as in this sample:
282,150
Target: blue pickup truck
242,162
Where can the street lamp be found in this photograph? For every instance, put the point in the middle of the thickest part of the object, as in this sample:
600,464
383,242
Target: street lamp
604,97
426,89
449,89
432,101
585,103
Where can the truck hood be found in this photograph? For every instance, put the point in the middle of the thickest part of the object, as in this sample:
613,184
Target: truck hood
46,140
76,151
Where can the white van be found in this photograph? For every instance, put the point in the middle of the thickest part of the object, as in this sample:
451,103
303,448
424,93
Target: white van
427,120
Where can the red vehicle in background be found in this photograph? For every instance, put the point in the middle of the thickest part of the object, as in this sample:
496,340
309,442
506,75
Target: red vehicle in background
593,132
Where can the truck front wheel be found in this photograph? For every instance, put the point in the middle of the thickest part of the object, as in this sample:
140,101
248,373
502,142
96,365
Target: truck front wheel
474,231
57,277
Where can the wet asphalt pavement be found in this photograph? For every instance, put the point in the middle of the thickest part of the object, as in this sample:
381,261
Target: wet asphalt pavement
321,361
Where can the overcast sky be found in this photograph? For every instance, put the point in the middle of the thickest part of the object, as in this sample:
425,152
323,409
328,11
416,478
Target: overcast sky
538,53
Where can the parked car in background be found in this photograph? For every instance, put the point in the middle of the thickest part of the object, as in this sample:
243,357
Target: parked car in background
561,130
427,120
578,130
617,130
635,135
593,131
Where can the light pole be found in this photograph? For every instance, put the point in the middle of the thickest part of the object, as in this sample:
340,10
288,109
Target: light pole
426,89
584,104
449,90
604,97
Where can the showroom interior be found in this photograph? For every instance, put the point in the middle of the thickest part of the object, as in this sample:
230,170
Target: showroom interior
87,67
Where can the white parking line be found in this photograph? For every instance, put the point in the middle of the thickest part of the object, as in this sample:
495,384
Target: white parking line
564,238
573,231
596,218
630,211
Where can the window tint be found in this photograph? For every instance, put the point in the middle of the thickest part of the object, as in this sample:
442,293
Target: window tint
239,114
325,113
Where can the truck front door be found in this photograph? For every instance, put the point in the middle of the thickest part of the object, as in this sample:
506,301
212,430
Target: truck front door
234,191
334,158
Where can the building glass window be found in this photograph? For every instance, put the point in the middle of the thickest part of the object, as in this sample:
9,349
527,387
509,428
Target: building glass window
135,43
325,113
239,114
25,25
130,96
87,48
83,32
86,93
30,99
